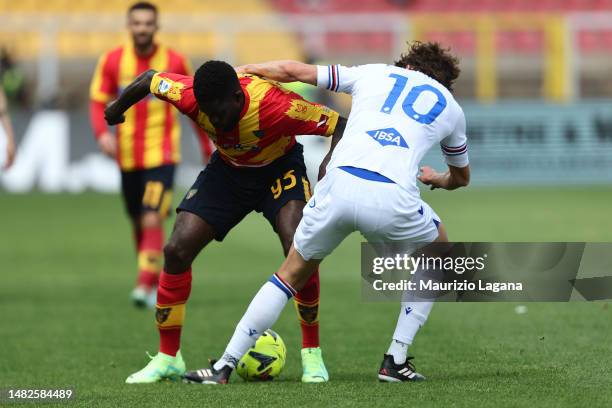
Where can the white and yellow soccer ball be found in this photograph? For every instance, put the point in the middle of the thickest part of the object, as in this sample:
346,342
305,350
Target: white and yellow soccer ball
265,361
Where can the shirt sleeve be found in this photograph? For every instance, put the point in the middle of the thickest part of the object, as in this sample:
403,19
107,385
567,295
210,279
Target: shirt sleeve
338,78
96,115
307,118
175,89
454,146
103,86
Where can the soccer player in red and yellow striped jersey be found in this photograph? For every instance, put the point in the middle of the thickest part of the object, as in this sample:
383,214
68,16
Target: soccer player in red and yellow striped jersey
270,118
258,166
147,144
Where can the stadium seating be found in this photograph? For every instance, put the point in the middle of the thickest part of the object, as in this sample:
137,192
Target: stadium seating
77,39
82,6
528,42
315,6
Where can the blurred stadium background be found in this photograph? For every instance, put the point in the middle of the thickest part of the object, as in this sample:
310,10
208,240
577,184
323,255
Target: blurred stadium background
537,94
535,81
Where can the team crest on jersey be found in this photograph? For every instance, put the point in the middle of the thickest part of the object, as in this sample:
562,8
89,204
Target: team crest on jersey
191,193
388,137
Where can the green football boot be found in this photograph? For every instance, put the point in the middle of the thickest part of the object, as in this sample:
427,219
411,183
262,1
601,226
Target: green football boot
161,367
314,370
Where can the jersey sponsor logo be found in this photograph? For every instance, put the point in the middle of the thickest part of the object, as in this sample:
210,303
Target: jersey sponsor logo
388,137
164,86
241,147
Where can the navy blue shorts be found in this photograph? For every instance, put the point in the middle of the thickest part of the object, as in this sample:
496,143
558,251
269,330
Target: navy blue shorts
148,190
223,195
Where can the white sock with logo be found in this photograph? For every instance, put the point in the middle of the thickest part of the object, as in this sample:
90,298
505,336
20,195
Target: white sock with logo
412,316
262,313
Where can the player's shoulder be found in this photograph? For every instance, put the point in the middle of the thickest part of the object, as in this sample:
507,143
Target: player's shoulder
365,69
426,79
173,86
181,80
248,78
112,57
174,54
115,52
374,67
256,86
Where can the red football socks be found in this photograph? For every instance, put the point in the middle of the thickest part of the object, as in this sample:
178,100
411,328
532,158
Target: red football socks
172,293
307,306
150,256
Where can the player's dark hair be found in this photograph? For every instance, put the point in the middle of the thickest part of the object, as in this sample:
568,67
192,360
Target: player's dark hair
432,60
143,5
214,80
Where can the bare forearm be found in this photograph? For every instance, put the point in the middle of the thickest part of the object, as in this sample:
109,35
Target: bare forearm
337,135
132,94
449,181
284,71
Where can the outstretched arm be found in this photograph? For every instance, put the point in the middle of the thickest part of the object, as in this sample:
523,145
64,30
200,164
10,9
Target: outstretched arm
338,133
134,92
283,71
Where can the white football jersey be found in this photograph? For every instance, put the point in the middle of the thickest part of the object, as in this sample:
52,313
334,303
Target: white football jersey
397,115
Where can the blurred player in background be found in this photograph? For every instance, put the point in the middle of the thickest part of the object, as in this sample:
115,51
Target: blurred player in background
147,145
7,138
258,166
398,113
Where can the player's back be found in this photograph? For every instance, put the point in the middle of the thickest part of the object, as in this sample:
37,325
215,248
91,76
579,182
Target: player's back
397,115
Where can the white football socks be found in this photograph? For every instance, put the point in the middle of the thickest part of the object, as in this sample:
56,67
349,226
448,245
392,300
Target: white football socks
412,316
262,313
399,351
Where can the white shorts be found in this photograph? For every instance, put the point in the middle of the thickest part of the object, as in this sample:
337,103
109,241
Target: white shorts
382,212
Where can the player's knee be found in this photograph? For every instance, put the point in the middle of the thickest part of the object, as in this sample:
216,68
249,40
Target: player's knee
177,258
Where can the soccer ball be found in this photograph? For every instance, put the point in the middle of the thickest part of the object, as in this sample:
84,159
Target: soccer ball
266,360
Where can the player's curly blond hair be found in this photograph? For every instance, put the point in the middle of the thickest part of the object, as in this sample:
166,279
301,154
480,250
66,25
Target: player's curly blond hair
433,60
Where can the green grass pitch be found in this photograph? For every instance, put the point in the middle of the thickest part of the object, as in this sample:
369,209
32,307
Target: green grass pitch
67,266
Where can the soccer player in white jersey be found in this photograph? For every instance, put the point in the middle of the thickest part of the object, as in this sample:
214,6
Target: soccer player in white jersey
398,113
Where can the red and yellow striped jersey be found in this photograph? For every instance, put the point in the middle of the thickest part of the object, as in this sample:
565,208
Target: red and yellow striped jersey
150,136
270,119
